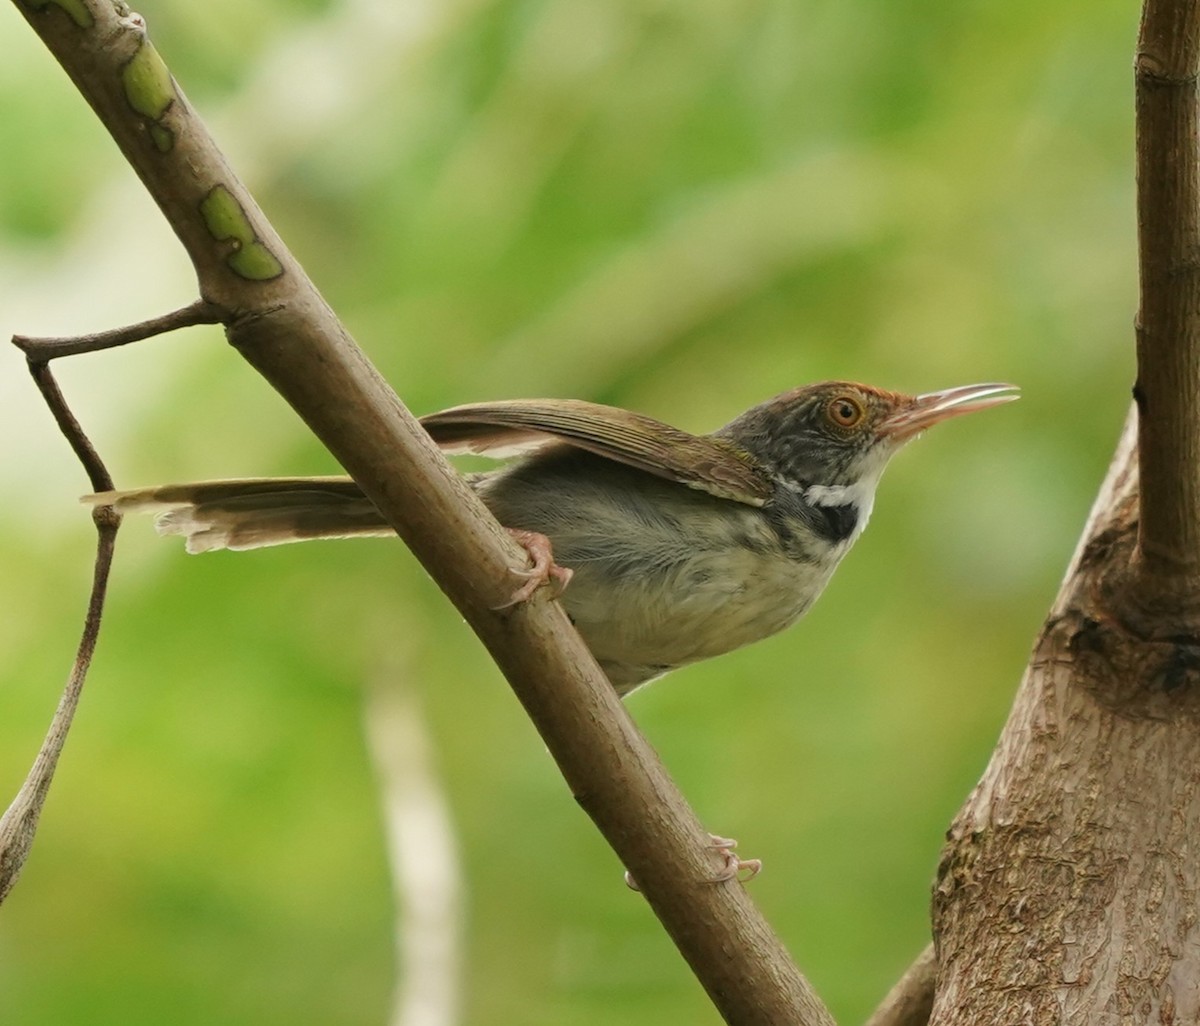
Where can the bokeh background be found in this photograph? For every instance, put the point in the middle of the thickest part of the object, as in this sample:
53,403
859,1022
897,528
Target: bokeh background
680,207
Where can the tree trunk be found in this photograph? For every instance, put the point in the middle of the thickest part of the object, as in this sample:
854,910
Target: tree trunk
1067,891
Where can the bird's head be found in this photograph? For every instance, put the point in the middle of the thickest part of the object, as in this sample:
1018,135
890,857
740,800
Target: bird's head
831,441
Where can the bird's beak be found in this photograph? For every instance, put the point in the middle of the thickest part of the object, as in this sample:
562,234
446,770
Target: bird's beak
926,410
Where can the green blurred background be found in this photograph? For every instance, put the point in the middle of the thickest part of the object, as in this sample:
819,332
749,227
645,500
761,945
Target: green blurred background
680,207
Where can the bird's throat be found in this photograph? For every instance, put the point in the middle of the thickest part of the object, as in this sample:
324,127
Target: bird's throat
842,511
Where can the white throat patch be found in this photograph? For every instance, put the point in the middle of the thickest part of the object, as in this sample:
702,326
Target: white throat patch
860,494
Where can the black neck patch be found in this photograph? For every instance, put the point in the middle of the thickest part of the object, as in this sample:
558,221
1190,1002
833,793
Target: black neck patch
834,523
799,522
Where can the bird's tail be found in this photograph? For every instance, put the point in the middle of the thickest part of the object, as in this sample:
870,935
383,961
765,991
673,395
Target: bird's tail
254,512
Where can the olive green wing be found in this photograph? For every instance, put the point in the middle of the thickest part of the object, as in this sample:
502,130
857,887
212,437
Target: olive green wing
511,427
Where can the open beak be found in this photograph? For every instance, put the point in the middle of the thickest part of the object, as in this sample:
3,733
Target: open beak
926,410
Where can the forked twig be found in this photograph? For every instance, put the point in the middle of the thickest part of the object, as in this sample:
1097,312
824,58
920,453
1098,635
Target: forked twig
19,823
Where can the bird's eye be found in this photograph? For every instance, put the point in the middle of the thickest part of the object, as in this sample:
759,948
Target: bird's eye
845,411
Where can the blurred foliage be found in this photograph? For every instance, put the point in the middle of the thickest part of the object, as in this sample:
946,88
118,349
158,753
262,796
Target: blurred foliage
678,207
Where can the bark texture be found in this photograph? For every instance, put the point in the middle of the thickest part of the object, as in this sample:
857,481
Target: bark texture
1067,892
1168,325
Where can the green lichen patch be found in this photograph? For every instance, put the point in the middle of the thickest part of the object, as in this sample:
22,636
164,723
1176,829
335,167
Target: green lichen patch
150,91
163,138
227,222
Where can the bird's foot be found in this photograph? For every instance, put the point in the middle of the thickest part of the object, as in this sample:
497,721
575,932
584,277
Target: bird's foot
734,866
543,571
732,870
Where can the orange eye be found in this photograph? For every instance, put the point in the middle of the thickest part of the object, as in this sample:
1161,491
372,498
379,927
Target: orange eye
845,411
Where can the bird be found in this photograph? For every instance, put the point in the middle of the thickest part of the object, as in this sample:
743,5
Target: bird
664,547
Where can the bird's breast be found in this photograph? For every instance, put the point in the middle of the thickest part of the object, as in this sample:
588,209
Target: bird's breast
697,591
663,575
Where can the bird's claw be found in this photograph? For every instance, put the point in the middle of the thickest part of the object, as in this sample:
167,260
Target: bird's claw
732,870
733,864
543,571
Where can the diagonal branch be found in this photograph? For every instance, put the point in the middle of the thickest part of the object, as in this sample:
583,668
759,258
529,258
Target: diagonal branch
276,319
1168,327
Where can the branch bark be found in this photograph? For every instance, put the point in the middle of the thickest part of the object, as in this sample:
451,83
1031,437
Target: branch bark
1168,327
279,323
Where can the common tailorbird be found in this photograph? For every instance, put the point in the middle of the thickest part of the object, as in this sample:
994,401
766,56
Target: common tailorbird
678,547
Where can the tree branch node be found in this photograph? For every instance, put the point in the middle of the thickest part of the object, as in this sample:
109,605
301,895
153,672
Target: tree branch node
1150,70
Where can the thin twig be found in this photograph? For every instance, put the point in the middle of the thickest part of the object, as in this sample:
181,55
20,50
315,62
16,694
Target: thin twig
46,349
18,825
1168,328
910,1001
93,466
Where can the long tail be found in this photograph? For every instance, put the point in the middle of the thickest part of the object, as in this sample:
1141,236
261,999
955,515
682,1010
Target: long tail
254,512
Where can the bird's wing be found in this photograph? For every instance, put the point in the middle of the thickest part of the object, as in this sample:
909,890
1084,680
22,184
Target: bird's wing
512,427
